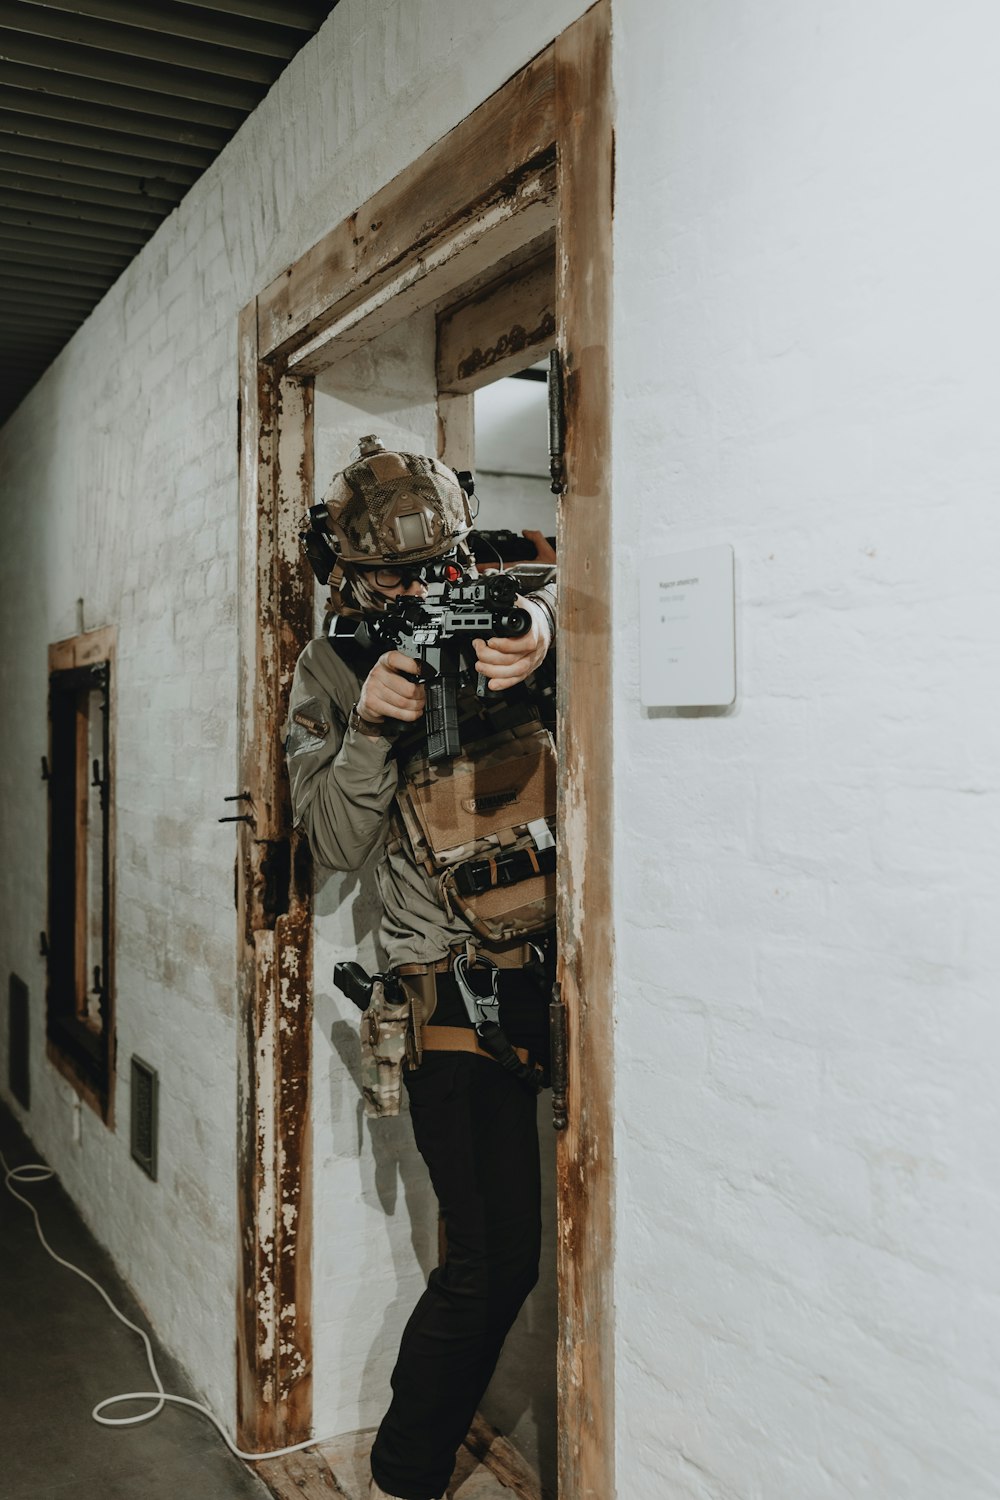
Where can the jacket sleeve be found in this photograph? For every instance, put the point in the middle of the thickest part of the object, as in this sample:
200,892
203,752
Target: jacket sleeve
546,597
342,781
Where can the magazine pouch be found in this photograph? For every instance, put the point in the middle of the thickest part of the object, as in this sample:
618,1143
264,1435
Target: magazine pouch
484,823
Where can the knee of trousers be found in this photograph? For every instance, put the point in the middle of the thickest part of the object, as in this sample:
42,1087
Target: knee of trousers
495,1284
512,1279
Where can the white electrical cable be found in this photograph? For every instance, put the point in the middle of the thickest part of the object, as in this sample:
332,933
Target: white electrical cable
37,1172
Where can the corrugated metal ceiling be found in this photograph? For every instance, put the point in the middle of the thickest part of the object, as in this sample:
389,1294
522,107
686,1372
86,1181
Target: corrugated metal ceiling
109,111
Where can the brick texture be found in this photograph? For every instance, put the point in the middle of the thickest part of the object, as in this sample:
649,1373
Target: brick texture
119,478
807,1034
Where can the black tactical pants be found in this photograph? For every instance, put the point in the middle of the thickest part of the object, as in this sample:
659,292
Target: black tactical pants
475,1127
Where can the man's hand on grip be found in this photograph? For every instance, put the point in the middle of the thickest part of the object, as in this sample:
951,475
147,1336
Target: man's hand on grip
389,691
505,661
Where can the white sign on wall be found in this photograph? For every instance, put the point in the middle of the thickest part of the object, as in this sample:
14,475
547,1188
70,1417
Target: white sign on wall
687,629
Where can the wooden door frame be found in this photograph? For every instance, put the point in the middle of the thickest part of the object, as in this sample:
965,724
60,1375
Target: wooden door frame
549,129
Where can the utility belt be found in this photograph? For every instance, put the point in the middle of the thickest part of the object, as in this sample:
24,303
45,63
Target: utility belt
397,1025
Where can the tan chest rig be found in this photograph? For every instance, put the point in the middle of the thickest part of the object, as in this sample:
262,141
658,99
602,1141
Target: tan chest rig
483,822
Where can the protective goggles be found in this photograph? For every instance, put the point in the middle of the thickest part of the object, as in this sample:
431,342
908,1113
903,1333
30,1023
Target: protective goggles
403,575
390,578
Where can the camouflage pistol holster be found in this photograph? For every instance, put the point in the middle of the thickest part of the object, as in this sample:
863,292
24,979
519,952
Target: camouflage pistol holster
390,1036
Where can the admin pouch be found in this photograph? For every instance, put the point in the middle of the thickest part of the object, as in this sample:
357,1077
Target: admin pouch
484,823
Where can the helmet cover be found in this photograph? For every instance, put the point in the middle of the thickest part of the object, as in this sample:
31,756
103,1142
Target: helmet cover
389,507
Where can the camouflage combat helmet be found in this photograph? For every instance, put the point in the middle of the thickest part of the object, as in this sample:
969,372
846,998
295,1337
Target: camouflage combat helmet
389,507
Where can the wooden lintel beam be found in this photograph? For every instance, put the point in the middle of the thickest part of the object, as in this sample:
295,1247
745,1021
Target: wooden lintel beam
459,256
502,329
513,127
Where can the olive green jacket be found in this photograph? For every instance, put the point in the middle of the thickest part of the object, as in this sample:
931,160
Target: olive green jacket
343,783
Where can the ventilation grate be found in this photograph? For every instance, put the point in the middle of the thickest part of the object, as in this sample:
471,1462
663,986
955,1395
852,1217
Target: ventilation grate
145,1087
18,1076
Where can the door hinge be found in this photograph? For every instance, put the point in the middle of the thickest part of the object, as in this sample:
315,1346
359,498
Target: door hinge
98,780
557,424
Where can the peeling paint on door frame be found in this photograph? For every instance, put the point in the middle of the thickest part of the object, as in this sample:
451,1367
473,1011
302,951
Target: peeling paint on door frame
351,285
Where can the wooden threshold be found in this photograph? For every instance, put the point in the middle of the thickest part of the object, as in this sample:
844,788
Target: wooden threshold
488,1468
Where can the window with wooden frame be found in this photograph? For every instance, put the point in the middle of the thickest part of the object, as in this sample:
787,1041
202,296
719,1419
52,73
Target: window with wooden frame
80,1005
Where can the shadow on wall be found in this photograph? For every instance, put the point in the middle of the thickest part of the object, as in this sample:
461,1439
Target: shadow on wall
393,1180
336,890
706,711
525,1409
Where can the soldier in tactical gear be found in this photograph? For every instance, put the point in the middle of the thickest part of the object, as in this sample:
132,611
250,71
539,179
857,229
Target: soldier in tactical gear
359,785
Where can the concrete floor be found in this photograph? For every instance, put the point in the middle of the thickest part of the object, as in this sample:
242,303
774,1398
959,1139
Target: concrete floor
62,1351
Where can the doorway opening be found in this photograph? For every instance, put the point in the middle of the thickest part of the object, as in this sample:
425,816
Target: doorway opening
510,461
431,254
390,387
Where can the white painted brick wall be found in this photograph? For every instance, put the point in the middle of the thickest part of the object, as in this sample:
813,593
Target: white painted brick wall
806,888
807,1035
119,478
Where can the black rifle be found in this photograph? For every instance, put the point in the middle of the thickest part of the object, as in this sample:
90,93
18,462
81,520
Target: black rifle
438,632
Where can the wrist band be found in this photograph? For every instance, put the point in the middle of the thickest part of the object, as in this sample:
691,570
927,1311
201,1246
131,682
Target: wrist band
365,726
